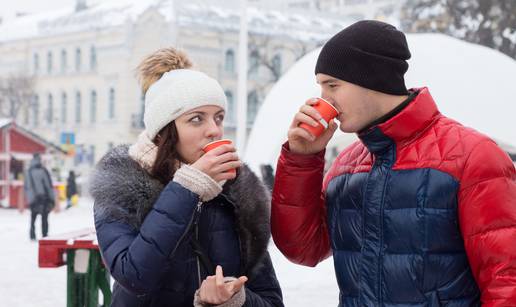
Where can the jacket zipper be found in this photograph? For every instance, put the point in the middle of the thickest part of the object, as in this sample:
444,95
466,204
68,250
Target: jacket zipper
198,214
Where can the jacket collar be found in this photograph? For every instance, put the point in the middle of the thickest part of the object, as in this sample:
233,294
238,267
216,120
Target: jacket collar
404,126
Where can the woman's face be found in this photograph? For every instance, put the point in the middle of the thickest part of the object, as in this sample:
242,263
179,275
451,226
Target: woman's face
197,128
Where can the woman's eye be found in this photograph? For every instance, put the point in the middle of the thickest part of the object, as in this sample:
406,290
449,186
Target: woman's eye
219,118
195,119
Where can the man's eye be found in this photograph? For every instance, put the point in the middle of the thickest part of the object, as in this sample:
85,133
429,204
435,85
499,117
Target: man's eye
332,85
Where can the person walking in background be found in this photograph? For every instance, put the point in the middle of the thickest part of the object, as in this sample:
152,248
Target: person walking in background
71,189
421,211
173,221
39,193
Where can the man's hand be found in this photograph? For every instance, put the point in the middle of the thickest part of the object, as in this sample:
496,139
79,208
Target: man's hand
303,142
215,291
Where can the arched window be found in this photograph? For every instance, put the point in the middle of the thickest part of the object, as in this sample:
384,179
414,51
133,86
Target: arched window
111,104
49,62
78,107
64,107
36,63
93,58
50,109
78,59
254,61
230,112
252,107
35,111
93,107
63,61
229,63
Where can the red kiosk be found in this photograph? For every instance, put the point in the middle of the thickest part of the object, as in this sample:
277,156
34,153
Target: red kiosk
17,145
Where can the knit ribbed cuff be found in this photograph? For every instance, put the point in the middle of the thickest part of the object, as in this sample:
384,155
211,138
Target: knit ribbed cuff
197,182
237,300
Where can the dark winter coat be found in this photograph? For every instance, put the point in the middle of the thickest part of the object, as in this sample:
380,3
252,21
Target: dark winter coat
144,230
38,188
71,187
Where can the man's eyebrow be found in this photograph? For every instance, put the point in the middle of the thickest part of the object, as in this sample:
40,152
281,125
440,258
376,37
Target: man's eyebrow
327,81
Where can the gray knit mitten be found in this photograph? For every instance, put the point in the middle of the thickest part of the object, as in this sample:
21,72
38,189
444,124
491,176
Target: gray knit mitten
198,182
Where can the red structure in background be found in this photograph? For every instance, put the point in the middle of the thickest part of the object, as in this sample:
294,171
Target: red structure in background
17,145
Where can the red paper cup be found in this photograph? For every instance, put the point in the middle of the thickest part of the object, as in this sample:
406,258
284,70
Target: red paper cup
215,144
327,111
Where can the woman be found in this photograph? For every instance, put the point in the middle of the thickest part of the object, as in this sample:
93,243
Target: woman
166,213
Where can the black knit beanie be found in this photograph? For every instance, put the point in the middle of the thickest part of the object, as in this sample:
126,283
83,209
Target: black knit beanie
368,53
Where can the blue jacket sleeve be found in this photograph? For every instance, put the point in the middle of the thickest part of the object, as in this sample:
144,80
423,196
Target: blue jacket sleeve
263,289
135,258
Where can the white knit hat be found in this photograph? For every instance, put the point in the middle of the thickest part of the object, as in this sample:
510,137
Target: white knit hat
177,92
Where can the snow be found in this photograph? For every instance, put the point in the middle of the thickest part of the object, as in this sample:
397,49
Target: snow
470,83
22,283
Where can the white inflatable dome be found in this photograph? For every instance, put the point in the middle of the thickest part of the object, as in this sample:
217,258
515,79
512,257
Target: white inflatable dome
473,84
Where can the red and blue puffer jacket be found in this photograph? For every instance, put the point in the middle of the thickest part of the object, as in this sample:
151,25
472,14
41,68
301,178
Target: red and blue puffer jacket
420,212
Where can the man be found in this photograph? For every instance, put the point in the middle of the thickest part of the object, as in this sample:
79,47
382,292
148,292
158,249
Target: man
421,211
39,193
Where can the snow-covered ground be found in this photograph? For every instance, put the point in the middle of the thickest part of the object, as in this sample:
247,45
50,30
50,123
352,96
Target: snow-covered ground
22,283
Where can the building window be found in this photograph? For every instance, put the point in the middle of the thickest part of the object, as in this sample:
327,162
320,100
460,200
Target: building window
49,62
26,112
78,108
50,109
93,58
93,107
229,64
91,155
35,111
110,145
230,112
253,63
63,61
78,59
64,107
36,63
111,105
276,65
252,107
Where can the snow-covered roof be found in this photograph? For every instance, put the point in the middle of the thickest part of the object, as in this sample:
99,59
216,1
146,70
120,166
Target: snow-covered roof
470,83
105,14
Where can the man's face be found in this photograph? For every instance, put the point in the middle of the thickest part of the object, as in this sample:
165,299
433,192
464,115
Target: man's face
356,109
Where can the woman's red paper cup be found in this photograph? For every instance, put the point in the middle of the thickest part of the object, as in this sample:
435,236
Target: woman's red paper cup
215,144
327,111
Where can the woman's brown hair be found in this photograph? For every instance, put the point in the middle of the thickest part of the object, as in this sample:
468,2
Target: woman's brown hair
149,71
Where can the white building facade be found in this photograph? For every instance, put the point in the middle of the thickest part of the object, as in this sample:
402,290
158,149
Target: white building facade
83,62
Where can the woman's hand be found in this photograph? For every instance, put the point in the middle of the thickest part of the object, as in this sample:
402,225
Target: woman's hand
215,291
217,162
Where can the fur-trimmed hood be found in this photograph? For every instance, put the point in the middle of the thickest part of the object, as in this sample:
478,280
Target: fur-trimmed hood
124,191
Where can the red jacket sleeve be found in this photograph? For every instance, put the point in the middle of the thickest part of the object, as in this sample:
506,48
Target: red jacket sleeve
487,215
298,217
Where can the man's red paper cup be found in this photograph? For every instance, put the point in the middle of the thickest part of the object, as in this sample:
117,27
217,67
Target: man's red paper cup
327,111
215,144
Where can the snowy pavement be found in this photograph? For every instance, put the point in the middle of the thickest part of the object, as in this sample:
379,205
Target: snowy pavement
22,283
